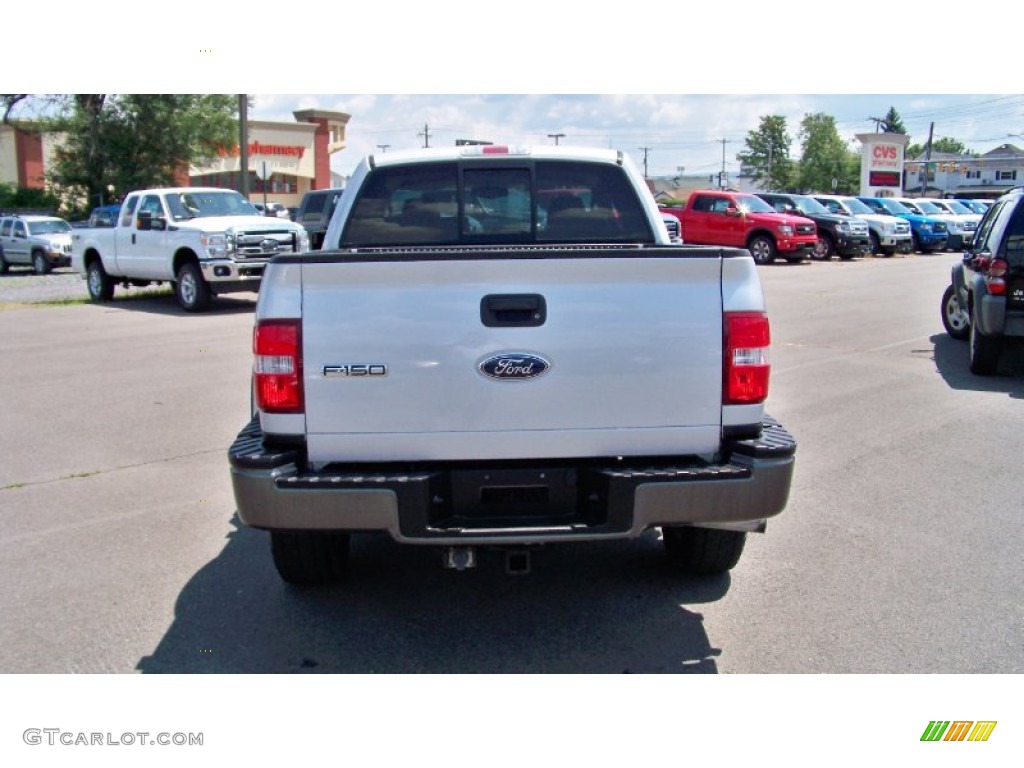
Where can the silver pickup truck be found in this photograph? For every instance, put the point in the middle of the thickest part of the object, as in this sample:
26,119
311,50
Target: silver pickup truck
499,348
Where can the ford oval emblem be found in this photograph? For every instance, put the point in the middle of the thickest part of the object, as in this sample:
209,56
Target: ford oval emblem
514,366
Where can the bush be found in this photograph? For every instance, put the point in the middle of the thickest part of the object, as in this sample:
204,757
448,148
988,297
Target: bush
22,198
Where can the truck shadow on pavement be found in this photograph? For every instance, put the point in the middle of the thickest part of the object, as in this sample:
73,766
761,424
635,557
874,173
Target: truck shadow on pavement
161,304
609,607
951,361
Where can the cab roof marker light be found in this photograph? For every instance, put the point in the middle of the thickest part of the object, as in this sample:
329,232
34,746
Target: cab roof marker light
479,150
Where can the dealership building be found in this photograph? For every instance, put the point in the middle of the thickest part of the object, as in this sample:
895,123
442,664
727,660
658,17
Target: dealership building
286,159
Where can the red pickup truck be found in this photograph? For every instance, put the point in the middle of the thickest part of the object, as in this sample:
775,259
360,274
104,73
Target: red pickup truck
739,220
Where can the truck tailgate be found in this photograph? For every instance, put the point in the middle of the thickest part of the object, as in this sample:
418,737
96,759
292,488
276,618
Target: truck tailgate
392,356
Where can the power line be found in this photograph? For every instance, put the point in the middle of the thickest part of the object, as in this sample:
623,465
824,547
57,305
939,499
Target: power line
425,133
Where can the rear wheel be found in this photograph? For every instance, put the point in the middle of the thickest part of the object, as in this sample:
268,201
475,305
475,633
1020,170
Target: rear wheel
955,320
99,283
985,350
309,558
703,551
191,289
40,264
762,248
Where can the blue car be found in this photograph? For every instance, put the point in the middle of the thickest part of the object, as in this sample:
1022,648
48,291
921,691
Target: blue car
929,233
104,216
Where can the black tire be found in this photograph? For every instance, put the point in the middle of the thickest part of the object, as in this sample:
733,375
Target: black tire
4,266
984,350
955,319
191,289
916,242
98,282
702,551
876,244
40,263
825,248
762,248
310,558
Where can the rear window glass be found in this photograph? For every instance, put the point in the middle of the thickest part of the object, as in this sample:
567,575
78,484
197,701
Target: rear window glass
543,202
1013,245
314,209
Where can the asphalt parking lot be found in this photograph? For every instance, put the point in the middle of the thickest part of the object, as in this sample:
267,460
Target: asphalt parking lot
898,552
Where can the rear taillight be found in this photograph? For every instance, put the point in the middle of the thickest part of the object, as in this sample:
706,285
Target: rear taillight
277,366
995,277
746,342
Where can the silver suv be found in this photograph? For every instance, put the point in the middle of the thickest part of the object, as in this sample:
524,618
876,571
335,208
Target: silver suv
42,242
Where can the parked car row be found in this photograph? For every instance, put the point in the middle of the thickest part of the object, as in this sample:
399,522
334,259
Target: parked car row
839,234
843,226
887,234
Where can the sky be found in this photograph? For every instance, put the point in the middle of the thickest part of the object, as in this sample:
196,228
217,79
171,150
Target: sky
678,131
675,79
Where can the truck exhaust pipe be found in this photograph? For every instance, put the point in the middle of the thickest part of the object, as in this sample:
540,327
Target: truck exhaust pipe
459,558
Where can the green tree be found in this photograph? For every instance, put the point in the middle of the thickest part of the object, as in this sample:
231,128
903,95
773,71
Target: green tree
766,155
943,144
824,156
131,141
891,123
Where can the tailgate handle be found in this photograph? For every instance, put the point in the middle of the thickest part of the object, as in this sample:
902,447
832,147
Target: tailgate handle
513,310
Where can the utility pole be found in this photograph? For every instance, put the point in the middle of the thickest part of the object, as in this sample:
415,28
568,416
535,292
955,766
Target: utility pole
383,147
721,176
425,133
927,157
556,137
645,150
243,144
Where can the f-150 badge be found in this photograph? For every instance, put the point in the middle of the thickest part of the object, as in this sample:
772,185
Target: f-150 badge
513,366
354,370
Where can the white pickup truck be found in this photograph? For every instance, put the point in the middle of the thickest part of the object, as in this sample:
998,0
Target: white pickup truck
499,347
206,241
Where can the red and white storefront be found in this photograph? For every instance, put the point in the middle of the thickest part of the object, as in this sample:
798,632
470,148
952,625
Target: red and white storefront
287,159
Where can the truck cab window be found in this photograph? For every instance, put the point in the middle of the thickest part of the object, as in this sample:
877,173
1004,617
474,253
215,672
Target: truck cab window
405,206
128,211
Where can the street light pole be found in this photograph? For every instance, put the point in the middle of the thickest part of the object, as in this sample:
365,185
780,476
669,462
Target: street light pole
556,137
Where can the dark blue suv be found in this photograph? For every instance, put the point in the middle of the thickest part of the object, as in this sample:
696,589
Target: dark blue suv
929,234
